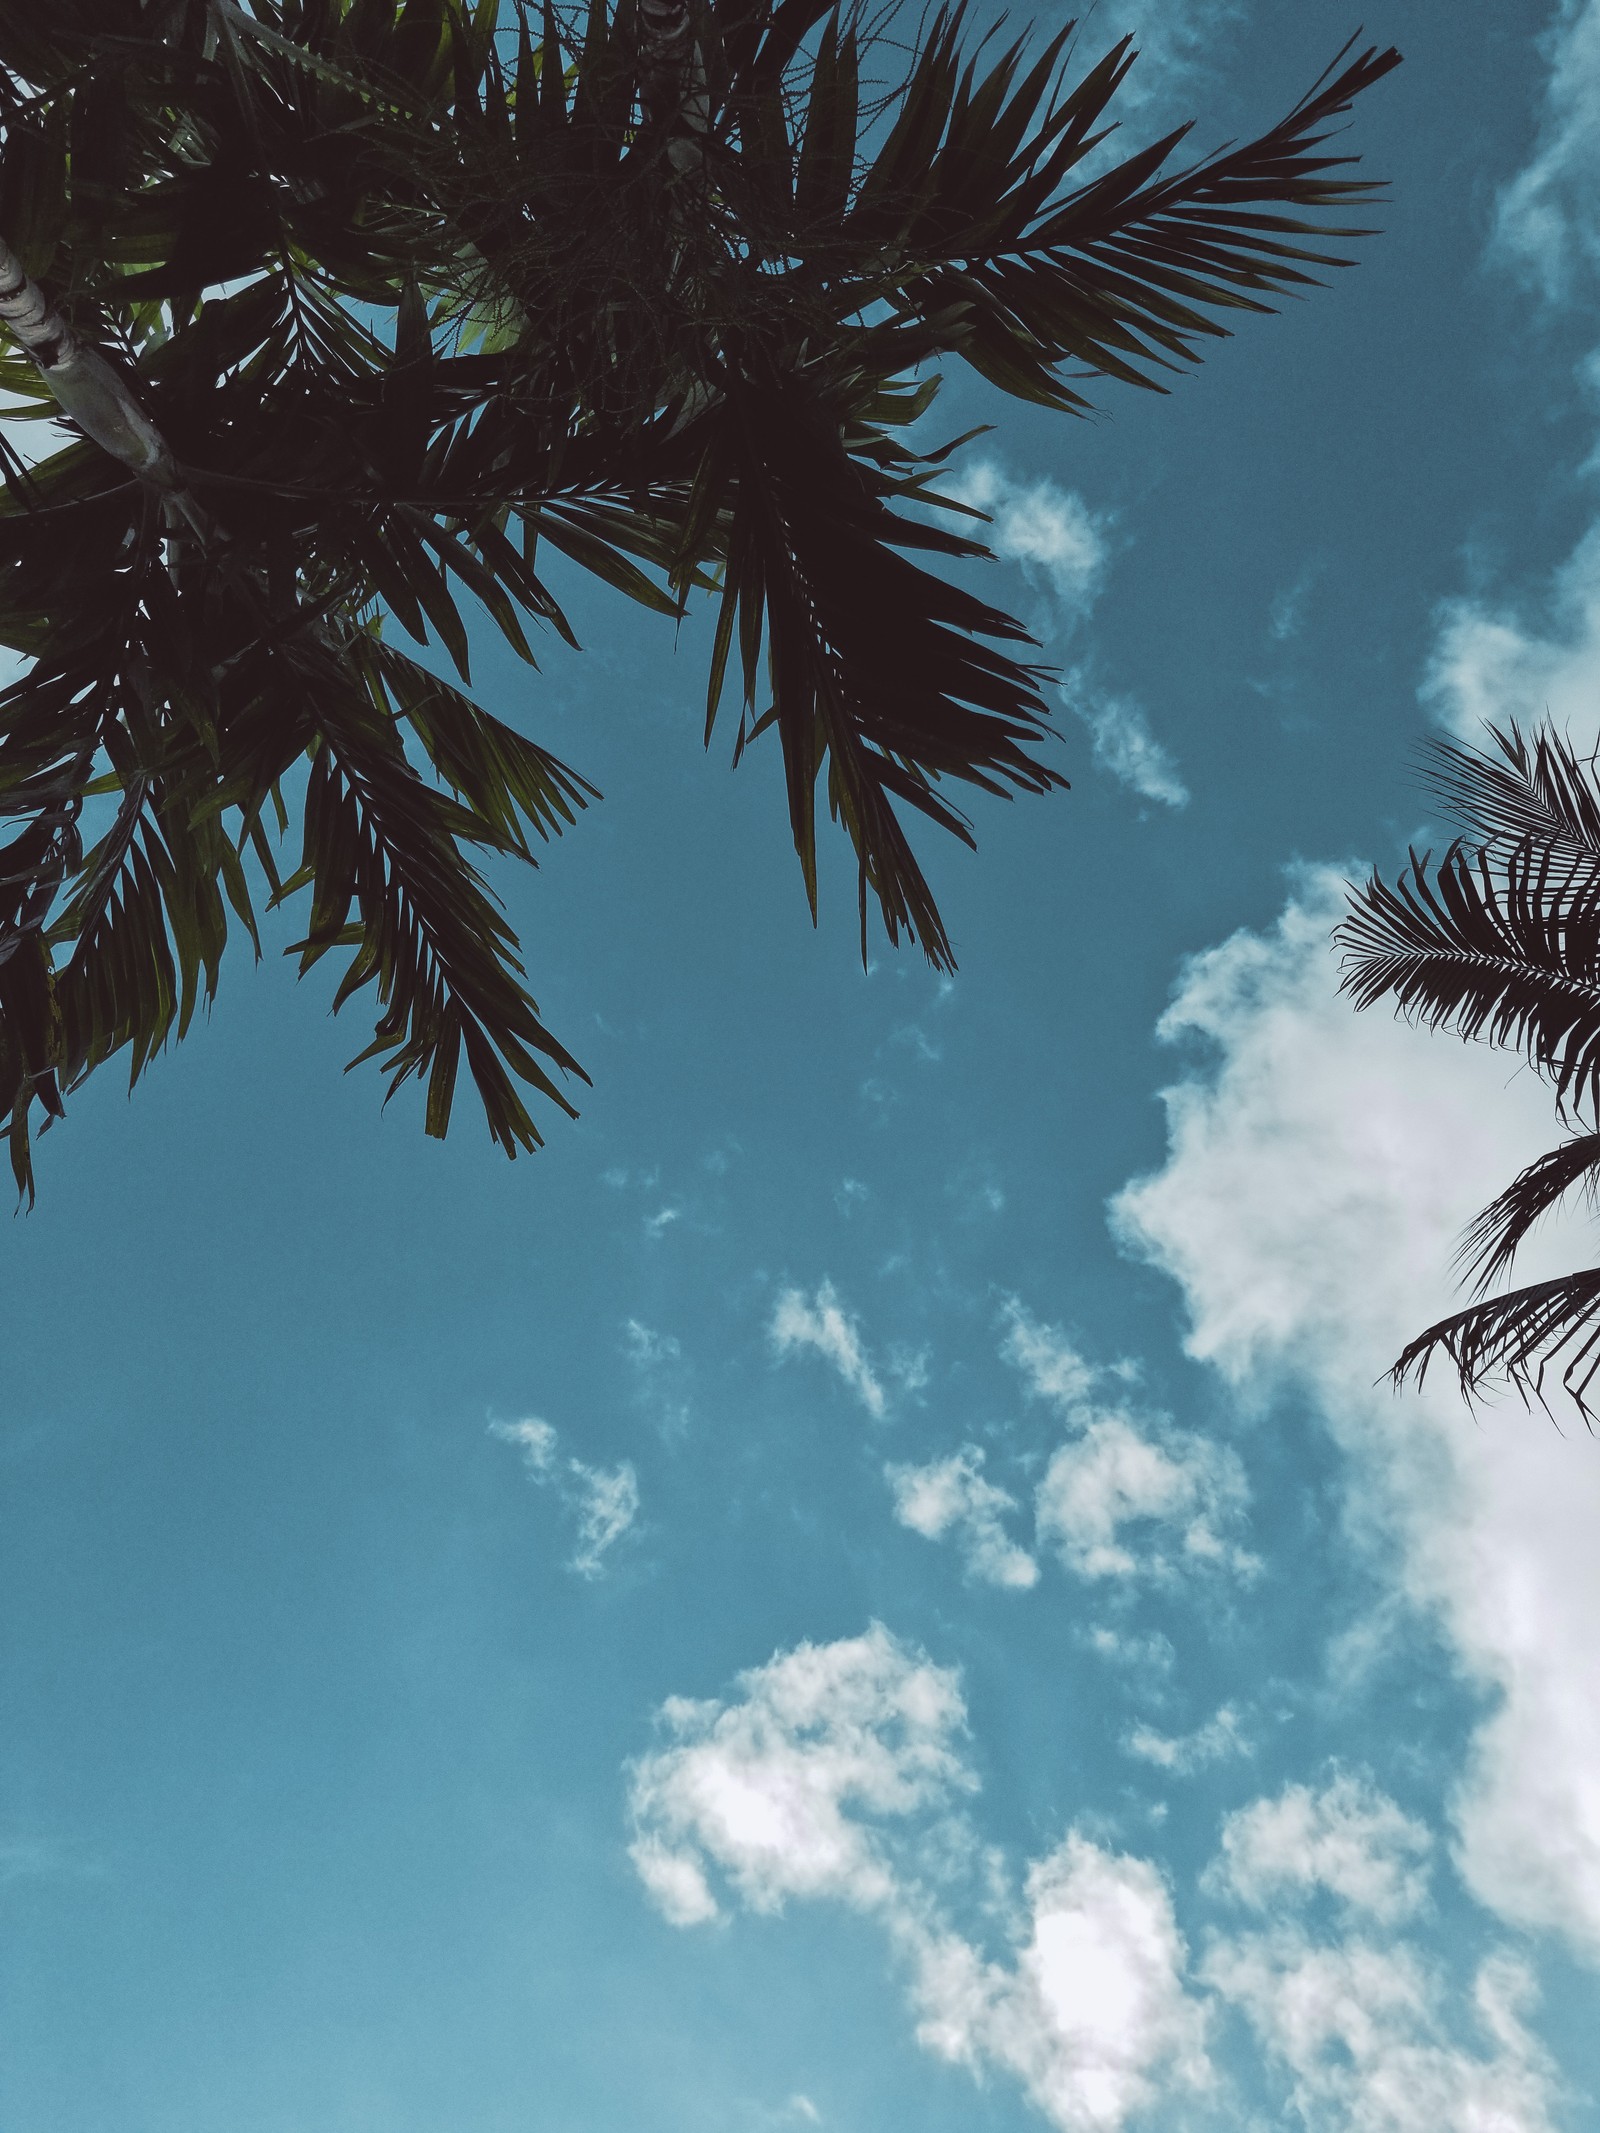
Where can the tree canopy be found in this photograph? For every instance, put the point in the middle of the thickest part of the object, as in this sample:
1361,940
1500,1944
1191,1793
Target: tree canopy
406,294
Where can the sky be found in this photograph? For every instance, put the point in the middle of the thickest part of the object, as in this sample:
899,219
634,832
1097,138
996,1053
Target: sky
874,1580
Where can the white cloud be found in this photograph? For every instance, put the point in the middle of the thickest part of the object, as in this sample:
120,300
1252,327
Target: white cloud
1112,1478
1179,43
821,1322
1123,743
1546,219
823,1778
1359,2029
1217,1741
1063,548
952,1496
603,1501
1060,543
1489,663
1092,2017
607,1503
1116,1496
648,1349
762,1788
1051,1367
1319,1171
1349,1839
535,1440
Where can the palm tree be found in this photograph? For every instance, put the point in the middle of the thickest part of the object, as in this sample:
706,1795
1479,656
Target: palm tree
348,307
1500,941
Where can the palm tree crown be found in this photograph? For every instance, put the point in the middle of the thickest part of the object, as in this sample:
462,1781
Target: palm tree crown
1500,940
405,291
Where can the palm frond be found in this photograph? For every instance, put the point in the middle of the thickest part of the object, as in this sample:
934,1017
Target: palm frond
1517,1339
1534,790
1506,951
1497,1234
427,937
1126,277
877,671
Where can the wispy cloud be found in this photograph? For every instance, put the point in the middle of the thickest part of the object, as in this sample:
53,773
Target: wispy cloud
1219,1740
953,1497
1286,617
821,1323
1063,548
1123,743
1052,1367
602,1501
647,1349
1547,222
1060,542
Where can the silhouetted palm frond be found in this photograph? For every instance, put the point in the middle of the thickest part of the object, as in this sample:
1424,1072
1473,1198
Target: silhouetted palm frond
1500,941
1518,1339
1524,790
1495,1236
1500,947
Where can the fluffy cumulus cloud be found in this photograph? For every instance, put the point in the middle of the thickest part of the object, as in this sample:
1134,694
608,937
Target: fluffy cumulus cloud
822,1324
1360,2030
1116,1501
784,1788
1359,2022
1349,1839
824,1776
1321,1165
1127,1494
1092,2016
953,1497
603,1502
1493,661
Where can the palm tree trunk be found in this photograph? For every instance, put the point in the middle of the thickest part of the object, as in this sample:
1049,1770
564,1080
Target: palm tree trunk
672,78
83,383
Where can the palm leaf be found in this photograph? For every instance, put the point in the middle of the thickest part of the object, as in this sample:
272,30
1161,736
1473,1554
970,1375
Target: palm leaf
1522,790
1496,1235
1518,1338
1507,951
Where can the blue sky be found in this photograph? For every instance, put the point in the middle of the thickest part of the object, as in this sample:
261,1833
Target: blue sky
869,1583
